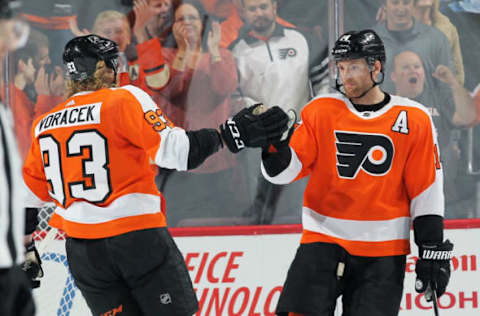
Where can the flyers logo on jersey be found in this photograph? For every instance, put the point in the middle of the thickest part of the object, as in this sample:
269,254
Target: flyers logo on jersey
373,153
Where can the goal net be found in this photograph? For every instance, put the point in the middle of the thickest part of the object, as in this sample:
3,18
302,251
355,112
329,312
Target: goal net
57,294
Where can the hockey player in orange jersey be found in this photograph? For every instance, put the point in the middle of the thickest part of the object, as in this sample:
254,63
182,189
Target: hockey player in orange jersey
91,155
373,164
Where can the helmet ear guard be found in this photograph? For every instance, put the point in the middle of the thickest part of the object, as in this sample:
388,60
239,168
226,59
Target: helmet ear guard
82,53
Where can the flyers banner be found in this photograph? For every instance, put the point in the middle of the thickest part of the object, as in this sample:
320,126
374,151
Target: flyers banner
240,271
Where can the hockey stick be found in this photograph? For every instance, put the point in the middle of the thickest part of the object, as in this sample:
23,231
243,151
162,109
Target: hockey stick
431,293
434,297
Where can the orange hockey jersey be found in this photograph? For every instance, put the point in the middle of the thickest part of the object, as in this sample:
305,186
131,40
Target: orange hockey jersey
92,156
370,173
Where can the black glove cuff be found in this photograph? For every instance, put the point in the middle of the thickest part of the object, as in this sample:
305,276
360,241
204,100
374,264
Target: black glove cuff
203,143
428,229
275,162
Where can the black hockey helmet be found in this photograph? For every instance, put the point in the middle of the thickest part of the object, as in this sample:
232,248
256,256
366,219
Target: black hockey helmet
360,44
5,9
82,53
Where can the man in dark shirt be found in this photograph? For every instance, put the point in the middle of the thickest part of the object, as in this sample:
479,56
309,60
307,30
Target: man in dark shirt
401,31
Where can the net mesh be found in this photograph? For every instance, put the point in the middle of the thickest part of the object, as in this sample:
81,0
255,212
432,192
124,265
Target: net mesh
56,294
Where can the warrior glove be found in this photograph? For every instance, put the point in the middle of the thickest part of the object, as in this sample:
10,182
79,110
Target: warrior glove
276,156
433,268
284,141
33,265
252,127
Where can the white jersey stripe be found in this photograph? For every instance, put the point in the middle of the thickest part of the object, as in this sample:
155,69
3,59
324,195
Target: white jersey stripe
430,201
173,150
126,205
370,231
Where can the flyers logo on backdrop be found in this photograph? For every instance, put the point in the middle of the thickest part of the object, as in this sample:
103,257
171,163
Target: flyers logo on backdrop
372,153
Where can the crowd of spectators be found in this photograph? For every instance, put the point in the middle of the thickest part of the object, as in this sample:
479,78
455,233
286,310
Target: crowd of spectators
202,60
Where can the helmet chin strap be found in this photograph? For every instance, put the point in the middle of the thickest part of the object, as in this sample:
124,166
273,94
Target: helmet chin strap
115,69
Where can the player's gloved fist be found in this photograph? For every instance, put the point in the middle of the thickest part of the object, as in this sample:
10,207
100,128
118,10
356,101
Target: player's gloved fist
252,127
33,265
285,138
433,268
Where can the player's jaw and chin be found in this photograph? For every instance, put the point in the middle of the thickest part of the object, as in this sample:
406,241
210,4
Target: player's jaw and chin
355,89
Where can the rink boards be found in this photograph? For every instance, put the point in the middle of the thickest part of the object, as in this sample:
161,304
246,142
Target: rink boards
239,271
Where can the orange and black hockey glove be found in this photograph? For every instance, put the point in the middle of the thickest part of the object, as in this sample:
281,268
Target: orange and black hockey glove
276,156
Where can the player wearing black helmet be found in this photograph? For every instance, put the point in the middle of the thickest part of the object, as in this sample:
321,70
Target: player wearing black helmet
373,167
362,45
92,155
82,54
